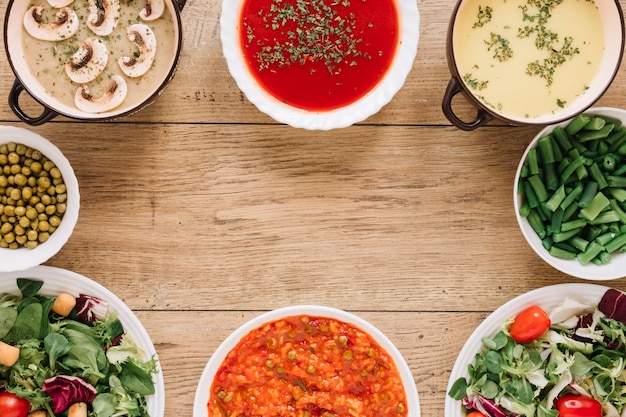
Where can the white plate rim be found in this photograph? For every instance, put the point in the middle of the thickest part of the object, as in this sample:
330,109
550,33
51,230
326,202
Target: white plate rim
56,280
206,379
546,297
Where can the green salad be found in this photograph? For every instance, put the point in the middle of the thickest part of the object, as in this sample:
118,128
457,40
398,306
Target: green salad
62,352
567,362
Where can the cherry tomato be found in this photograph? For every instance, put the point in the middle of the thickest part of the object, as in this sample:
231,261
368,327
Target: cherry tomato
529,324
572,405
475,414
13,406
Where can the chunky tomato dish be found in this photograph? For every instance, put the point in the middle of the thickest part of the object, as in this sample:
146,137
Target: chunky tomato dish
319,55
304,366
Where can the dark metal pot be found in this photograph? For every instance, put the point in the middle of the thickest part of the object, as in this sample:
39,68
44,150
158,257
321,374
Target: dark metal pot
613,22
26,80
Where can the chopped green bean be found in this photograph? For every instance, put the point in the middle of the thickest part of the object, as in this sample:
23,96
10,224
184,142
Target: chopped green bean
606,217
530,195
556,199
578,243
616,243
618,193
539,187
561,253
591,252
598,176
557,220
572,167
595,134
533,161
536,223
577,124
609,162
544,145
615,181
565,236
599,203
573,224
589,192
596,123
572,196
616,139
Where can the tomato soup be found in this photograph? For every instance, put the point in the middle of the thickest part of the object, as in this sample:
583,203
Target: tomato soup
319,55
304,366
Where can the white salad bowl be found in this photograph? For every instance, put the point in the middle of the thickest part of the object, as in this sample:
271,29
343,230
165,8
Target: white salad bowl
24,258
209,372
56,281
546,297
366,106
616,268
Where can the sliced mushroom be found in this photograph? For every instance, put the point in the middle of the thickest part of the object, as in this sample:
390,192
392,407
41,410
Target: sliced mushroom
154,9
88,61
114,95
60,3
103,16
64,26
145,39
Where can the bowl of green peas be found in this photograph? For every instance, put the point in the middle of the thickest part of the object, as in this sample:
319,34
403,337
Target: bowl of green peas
570,194
39,199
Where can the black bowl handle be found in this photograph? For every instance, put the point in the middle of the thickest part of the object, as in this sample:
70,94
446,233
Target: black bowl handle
14,104
181,4
454,88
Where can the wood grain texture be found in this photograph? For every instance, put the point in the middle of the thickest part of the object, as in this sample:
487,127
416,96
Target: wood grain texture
200,212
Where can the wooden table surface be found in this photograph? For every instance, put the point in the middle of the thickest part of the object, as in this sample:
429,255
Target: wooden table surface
201,213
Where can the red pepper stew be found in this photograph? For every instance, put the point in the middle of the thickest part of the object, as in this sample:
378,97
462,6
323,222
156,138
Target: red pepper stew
305,366
319,55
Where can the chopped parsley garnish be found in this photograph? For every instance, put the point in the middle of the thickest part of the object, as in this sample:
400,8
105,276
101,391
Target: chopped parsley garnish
309,31
484,16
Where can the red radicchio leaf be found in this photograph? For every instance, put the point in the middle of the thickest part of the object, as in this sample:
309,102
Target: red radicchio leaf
90,308
66,390
613,304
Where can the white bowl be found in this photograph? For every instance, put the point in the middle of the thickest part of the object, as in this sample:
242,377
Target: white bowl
616,268
23,258
58,280
204,386
546,297
368,105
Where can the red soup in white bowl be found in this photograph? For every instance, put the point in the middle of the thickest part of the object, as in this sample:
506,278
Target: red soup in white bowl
323,64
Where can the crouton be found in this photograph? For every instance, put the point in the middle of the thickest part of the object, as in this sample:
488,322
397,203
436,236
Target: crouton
63,304
8,354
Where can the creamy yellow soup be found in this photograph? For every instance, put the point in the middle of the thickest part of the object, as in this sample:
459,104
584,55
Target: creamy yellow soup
47,59
528,58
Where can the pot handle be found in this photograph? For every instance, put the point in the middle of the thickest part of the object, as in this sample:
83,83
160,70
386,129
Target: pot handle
181,4
14,104
454,88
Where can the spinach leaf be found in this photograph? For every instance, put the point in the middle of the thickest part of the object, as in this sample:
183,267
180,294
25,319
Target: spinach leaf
8,315
27,324
56,345
135,379
28,287
46,307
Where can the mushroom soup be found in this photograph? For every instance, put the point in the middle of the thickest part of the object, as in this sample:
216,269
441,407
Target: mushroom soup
98,54
528,58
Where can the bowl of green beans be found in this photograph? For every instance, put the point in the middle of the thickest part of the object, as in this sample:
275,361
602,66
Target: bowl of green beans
39,199
570,194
